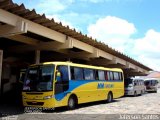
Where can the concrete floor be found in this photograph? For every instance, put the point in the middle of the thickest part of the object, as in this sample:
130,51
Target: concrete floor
149,103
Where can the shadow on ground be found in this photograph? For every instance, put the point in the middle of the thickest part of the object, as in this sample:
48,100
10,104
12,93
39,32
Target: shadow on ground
11,104
63,109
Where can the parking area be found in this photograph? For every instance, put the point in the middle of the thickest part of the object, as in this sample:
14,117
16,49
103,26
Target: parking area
148,103
145,104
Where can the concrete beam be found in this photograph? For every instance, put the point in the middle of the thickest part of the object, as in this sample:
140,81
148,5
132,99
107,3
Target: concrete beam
22,48
116,60
8,30
120,61
24,39
130,65
95,54
55,45
116,66
12,19
113,61
146,72
81,45
37,45
105,55
131,70
139,69
136,74
99,62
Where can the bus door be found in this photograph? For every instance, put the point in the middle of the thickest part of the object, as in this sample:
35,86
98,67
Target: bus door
62,82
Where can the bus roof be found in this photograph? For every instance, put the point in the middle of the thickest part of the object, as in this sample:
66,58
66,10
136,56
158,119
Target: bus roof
80,65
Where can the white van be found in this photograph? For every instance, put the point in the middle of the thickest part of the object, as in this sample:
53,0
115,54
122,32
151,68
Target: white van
134,86
151,85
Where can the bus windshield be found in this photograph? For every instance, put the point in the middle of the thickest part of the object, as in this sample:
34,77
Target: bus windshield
128,82
39,78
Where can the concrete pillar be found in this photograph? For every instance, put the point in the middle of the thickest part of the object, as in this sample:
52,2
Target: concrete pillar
37,56
1,60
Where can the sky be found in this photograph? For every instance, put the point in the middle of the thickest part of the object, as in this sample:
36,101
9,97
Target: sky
129,26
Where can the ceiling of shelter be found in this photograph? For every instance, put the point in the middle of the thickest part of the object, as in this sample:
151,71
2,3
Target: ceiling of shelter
31,15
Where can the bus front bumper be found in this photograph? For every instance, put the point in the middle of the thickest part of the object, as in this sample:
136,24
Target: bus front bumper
49,103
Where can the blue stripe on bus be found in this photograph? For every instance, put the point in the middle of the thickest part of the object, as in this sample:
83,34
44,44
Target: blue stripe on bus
73,84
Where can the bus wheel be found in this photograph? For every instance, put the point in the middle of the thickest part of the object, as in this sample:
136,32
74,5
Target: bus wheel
135,94
110,97
71,103
142,92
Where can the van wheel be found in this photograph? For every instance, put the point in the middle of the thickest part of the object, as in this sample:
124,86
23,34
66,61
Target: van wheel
135,94
155,91
141,93
110,97
71,103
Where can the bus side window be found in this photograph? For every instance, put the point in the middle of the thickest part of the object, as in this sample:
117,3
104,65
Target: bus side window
78,73
101,75
88,74
120,76
72,73
111,75
107,76
63,83
116,75
96,75
64,72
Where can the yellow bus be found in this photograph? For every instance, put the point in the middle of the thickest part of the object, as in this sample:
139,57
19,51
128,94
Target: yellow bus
56,84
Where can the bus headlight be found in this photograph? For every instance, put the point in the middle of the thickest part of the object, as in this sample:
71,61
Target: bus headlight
47,97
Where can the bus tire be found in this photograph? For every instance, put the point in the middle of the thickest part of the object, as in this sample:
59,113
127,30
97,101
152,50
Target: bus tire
135,94
109,97
72,103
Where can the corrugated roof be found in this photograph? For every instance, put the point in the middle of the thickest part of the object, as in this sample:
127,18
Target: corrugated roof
21,11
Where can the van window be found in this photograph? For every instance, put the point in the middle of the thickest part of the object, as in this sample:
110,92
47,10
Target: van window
135,82
154,82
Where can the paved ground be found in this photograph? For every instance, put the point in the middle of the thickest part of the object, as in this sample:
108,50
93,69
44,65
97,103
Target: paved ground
148,103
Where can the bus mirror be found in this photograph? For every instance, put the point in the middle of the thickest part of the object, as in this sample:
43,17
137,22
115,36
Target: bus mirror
58,76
